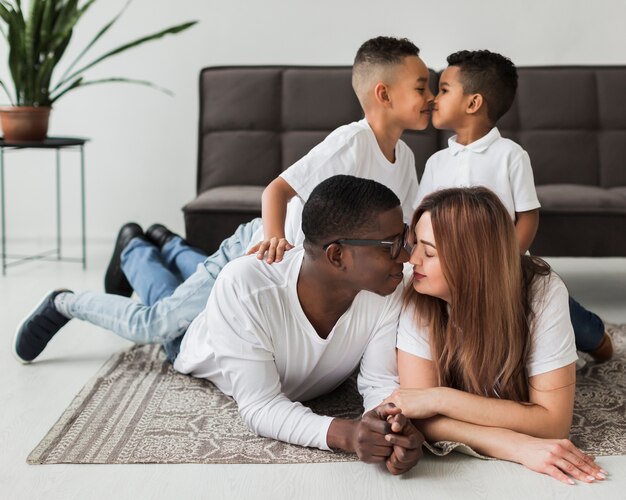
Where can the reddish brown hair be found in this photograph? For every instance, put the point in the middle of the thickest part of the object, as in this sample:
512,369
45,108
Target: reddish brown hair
480,341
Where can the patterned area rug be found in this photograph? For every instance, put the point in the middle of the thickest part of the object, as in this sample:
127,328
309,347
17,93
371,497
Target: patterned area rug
137,409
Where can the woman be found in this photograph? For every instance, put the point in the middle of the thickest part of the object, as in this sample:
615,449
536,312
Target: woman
486,351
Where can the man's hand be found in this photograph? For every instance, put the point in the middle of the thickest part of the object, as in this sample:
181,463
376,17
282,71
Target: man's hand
274,247
405,437
368,440
399,432
383,435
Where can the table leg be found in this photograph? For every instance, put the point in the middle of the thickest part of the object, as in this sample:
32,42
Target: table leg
82,199
58,179
4,249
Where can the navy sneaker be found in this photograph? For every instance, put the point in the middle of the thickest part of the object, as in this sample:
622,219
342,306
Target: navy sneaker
36,330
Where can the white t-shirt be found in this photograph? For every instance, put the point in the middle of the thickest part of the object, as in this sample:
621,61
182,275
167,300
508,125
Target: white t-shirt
350,150
552,335
254,342
492,161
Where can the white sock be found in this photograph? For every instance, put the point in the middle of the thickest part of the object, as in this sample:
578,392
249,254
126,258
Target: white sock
62,303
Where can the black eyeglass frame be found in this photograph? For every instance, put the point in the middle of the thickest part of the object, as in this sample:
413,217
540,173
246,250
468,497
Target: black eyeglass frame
394,251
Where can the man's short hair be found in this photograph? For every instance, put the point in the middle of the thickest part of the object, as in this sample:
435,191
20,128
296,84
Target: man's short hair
489,74
344,206
375,56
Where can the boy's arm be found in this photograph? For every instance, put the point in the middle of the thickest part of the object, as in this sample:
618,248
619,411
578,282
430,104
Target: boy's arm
274,211
526,224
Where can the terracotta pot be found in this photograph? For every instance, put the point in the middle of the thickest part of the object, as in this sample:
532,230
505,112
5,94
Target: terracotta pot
24,123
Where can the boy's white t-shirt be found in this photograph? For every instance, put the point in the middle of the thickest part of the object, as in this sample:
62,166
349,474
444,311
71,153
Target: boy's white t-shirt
351,149
492,161
254,342
552,336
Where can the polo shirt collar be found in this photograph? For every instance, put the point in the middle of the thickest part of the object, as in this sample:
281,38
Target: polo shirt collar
479,146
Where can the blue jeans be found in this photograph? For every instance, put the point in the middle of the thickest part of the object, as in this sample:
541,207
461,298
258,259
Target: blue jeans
588,327
168,316
156,273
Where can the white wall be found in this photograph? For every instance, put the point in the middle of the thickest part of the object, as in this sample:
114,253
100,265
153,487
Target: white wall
141,160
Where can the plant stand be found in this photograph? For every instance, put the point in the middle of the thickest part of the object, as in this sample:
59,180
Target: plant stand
56,143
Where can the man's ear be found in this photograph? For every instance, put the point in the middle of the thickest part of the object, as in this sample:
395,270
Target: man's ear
335,255
474,103
381,93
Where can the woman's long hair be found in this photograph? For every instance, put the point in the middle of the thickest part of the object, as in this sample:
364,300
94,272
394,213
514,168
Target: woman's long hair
480,341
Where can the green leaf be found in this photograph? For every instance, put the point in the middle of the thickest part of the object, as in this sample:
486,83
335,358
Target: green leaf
169,31
4,87
37,41
80,83
17,55
95,39
31,49
5,13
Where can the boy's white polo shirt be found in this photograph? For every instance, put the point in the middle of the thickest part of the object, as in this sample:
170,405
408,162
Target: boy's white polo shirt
492,161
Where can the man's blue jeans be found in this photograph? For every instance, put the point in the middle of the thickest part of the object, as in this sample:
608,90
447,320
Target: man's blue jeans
173,299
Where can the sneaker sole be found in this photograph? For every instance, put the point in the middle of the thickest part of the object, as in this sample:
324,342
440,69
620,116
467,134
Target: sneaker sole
19,327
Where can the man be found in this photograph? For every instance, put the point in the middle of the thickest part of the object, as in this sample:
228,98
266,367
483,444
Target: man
274,335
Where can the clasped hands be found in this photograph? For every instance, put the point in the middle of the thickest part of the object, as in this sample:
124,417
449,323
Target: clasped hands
558,458
384,434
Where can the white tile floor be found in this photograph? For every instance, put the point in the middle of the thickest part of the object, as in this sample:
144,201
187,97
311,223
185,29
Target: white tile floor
33,397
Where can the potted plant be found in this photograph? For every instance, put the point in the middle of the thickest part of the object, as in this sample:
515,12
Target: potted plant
36,43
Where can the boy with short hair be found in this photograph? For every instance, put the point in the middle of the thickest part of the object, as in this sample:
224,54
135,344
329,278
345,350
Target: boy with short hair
475,91
391,83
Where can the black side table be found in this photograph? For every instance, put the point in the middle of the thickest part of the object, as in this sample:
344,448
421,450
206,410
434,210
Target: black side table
56,143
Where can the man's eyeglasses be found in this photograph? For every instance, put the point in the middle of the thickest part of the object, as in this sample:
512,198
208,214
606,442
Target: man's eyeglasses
395,246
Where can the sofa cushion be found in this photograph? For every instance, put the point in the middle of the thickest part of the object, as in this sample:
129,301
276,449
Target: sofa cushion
611,97
620,191
572,123
237,98
227,199
239,157
559,156
303,90
574,109
612,146
568,198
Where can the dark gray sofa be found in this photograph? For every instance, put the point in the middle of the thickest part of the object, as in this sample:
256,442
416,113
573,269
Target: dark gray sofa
255,121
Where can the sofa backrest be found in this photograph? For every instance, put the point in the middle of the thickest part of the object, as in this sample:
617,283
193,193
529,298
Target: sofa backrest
256,121
571,121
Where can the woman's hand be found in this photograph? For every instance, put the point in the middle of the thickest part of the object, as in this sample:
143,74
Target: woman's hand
414,403
558,458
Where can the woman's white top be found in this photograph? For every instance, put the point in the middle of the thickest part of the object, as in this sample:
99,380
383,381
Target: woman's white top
552,335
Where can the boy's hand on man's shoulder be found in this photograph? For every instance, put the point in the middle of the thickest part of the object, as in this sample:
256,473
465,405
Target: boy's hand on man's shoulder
271,249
